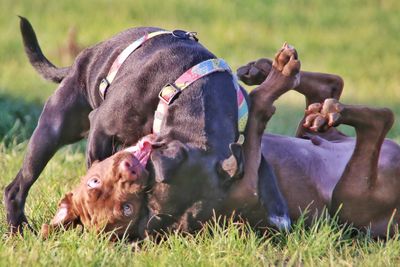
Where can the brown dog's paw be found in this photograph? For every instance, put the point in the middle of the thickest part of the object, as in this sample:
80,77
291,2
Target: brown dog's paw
286,61
284,75
255,72
319,117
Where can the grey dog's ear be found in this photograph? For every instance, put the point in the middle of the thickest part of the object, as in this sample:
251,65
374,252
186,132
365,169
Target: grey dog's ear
167,159
233,166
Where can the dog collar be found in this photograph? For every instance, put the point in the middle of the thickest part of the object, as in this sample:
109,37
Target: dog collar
170,91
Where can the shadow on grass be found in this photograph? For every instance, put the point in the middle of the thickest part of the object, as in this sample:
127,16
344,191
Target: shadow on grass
18,119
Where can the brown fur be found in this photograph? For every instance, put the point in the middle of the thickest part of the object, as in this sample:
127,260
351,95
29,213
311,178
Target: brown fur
102,207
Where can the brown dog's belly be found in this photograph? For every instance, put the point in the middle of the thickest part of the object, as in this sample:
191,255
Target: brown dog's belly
306,173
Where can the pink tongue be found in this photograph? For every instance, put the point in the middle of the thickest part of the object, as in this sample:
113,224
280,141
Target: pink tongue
142,149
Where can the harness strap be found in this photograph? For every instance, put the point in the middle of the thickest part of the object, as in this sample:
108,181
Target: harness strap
105,83
172,90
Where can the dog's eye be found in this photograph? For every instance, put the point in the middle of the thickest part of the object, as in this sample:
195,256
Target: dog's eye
127,209
94,182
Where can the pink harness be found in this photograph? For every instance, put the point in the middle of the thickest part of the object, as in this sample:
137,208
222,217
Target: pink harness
170,91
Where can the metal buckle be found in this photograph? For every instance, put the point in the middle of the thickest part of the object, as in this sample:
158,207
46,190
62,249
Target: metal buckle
193,36
103,86
169,93
185,35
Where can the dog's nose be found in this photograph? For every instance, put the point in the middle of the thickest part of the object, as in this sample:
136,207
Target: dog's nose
130,167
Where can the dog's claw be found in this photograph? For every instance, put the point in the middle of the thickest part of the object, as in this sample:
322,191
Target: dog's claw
333,117
319,117
313,108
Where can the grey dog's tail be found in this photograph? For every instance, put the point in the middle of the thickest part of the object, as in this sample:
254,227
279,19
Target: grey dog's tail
41,64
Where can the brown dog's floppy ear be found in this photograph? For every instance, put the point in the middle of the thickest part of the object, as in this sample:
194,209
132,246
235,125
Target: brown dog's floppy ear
65,216
233,166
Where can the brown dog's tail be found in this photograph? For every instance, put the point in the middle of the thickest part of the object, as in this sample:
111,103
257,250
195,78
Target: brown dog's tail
41,64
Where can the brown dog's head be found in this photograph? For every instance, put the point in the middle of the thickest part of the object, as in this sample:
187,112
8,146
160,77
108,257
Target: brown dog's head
112,195
109,197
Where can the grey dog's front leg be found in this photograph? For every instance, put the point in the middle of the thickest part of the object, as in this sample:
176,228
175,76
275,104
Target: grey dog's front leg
99,145
271,198
63,121
283,76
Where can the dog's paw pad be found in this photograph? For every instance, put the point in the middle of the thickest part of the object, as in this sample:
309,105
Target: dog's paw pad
255,72
319,117
286,60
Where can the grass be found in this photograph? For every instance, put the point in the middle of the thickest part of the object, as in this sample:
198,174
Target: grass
356,39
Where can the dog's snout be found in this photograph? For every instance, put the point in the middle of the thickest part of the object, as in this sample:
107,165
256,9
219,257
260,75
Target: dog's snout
129,167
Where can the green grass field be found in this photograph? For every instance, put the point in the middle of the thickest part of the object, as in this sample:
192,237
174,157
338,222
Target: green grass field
358,40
